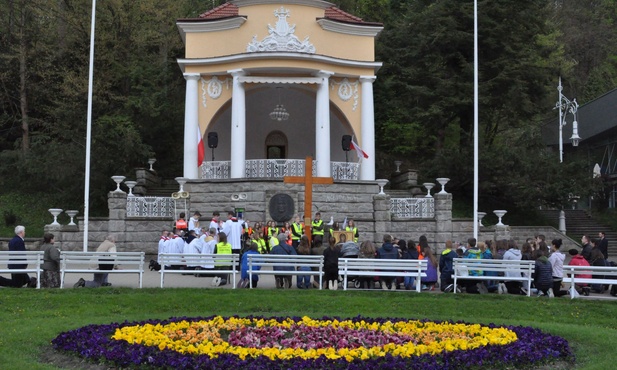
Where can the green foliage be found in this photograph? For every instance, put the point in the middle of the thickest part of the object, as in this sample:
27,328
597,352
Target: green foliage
29,210
423,93
32,319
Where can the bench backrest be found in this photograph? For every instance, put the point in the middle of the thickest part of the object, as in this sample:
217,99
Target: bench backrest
277,260
363,264
32,258
102,258
182,259
472,264
597,272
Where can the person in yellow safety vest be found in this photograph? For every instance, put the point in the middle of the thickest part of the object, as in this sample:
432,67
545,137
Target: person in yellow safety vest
297,229
317,229
273,241
272,229
222,247
258,238
351,226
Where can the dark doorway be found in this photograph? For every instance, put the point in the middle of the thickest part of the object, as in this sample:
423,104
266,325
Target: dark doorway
276,152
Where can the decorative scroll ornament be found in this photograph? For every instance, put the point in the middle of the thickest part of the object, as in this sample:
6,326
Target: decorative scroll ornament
281,38
346,91
213,88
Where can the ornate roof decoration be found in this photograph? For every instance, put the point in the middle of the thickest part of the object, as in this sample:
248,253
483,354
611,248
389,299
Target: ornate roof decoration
281,38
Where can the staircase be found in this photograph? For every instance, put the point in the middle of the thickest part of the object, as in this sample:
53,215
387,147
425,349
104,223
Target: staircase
164,189
579,223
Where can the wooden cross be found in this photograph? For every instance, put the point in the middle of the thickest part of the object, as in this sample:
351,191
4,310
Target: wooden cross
308,180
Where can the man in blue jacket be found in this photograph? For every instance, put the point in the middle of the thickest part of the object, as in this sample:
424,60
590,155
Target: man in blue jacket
17,244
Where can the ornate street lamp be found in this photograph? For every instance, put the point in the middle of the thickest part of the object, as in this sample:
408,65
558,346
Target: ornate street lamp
566,106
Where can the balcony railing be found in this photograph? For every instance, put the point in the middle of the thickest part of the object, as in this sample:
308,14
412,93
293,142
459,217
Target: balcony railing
277,169
412,207
150,207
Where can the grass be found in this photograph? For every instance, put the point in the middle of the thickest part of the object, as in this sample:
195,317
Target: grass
31,319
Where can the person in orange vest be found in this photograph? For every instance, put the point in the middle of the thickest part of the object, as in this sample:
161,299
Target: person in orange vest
181,223
423,243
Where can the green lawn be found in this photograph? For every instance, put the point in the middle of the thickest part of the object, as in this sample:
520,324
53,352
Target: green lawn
30,319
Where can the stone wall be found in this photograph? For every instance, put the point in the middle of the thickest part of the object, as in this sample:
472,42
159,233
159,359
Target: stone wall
357,200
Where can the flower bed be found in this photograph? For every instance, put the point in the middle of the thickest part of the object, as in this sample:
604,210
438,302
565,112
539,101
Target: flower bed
305,343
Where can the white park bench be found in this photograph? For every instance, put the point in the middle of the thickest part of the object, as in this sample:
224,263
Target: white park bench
608,275
368,267
82,262
270,261
33,260
177,263
522,270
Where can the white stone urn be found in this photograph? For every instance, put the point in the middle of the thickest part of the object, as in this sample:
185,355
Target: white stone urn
72,213
118,180
500,213
131,185
55,212
181,181
443,181
480,217
428,186
381,183
398,165
151,161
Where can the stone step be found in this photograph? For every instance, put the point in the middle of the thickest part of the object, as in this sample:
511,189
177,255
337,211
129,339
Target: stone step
579,223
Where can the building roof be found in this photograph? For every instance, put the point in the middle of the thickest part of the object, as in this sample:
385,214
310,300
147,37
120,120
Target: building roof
221,11
595,119
228,10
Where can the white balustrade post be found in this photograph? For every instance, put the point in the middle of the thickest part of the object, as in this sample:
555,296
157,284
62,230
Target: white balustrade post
562,221
322,125
367,168
238,126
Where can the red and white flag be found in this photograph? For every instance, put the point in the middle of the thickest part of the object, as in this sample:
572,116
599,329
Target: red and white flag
201,149
361,153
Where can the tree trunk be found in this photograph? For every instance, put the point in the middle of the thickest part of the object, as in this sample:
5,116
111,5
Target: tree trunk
23,96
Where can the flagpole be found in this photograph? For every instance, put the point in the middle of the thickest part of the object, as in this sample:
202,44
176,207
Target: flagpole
89,130
475,119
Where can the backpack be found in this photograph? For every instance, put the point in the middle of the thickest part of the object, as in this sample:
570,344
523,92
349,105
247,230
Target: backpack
155,266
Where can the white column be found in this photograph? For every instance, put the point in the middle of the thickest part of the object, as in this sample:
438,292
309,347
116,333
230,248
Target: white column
367,167
322,125
238,126
191,116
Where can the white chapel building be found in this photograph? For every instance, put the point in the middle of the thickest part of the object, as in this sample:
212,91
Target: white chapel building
270,82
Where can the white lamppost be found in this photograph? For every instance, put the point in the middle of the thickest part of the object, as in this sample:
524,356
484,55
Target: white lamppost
566,106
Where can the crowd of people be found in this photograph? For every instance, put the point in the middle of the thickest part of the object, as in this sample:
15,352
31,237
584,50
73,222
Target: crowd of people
548,276
237,236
